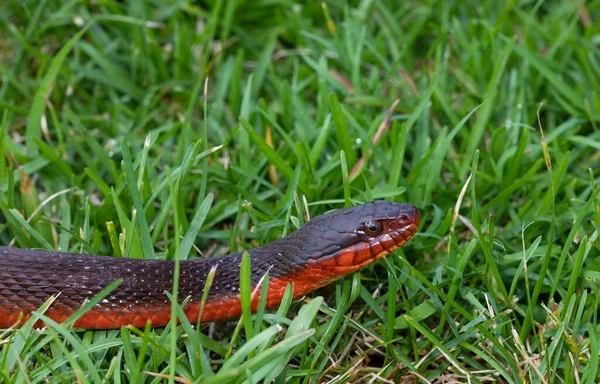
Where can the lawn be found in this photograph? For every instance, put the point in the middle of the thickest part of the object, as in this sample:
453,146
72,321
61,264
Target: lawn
164,128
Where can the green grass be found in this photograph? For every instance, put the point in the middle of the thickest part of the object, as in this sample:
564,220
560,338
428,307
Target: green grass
139,129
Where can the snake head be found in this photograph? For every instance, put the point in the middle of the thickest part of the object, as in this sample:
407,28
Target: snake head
351,238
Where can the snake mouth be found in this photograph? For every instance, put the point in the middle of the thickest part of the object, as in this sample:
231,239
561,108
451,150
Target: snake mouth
400,229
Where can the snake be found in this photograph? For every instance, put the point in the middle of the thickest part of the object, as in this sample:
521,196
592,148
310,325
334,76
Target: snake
325,249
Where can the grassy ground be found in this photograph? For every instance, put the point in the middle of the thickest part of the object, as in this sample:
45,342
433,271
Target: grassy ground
122,122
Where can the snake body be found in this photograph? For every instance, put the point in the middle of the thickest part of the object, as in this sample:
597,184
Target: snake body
327,248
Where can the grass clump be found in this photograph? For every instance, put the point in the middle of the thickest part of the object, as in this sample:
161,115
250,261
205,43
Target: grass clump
153,129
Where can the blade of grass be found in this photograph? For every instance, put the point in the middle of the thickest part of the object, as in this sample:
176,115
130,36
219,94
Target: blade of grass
146,239
38,106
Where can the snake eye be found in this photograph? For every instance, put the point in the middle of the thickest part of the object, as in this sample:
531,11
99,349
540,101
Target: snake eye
373,228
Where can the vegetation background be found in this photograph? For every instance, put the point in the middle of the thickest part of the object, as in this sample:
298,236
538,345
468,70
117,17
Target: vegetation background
151,128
